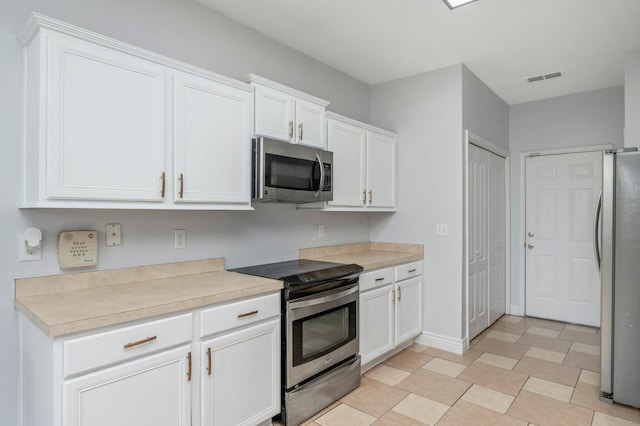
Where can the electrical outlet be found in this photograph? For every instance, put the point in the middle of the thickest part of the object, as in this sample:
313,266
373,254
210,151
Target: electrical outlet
320,231
112,234
180,241
27,254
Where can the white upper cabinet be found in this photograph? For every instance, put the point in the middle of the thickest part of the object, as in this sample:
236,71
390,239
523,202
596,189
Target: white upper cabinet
211,141
105,122
287,114
364,165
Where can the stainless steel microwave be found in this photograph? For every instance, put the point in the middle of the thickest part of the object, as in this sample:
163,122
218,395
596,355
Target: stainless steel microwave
288,173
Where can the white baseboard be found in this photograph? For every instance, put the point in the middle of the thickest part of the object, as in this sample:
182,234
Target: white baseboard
445,343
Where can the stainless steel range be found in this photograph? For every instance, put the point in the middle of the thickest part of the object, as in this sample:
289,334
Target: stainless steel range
320,333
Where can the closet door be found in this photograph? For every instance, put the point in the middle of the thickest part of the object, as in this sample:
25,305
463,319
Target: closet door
487,239
497,237
478,229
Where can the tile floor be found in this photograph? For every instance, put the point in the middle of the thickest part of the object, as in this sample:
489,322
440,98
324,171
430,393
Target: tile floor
521,371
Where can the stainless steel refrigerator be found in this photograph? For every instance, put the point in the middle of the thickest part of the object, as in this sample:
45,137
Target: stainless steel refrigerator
617,236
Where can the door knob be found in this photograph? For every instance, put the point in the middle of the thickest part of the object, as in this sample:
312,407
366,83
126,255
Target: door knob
530,246
530,234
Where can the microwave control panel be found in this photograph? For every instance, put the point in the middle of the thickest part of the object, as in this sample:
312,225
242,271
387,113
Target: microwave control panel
326,185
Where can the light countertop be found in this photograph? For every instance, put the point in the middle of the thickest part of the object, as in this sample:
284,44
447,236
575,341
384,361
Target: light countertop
69,303
371,255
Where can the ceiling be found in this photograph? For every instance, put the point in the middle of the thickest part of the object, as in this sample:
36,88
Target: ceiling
503,42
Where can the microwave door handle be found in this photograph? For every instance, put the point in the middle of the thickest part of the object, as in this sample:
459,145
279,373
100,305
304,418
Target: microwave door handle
321,183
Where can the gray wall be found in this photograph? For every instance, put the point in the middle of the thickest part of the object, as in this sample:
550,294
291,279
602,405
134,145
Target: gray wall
585,119
191,33
632,99
430,111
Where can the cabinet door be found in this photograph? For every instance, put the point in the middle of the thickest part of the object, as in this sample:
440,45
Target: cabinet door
381,170
408,309
376,323
310,124
212,149
149,391
105,116
274,114
241,386
348,145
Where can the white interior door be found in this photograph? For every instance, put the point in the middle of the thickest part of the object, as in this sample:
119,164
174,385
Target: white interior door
497,223
478,258
561,278
487,239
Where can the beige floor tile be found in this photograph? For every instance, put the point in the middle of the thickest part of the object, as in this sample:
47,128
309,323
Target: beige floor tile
580,336
586,395
544,342
538,322
546,332
488,398
389,375
494,378
501,335
343,415
509,327
543,410
393,418
583,360
311,420
373,397
546,354
435,386
466,359
416,347
559,373
466,413
497,360
585,348
511,319
500,347
601,419
549,388
589,377
408,360
582,328
442,366
421,409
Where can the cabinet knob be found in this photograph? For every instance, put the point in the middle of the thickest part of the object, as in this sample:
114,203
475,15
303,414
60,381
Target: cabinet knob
530,246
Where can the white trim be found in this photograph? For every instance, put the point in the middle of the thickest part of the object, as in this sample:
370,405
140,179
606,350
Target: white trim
471,138
256,79
333,116
485,144
520,308
37,22
445,343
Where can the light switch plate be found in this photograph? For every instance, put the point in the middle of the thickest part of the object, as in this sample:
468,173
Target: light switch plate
112,234
442,229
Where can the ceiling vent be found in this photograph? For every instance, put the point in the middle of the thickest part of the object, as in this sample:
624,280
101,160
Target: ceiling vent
544,76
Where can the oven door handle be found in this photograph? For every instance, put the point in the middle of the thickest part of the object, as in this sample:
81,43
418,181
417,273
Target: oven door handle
324,297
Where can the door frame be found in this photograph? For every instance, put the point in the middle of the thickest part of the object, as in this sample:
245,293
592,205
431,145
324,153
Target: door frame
471,138
520,309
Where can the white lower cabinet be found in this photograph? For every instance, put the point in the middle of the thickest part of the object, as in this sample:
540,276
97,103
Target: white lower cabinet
390,309
150,391
157,373
241,376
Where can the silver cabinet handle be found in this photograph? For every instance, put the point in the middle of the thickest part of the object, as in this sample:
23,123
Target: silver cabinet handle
596,234
530,234
364,197
530,246
370,197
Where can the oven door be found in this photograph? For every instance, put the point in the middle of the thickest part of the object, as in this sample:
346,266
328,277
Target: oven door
322,330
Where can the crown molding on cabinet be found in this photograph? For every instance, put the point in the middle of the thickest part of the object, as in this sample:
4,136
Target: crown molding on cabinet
253,78
366,126
37,21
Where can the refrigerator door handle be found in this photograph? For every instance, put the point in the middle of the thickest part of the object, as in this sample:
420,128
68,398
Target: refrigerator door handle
596,234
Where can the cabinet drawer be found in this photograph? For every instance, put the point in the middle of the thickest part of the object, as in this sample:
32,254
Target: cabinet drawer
408,270
110,347
376,278
237,314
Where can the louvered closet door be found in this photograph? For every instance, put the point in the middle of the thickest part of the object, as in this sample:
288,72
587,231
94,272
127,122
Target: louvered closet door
487,239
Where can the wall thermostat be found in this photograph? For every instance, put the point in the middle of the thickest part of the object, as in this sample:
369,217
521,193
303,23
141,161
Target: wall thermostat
77,249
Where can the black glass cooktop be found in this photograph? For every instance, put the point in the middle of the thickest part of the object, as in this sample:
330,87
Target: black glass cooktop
301,271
